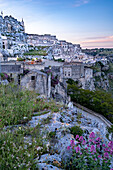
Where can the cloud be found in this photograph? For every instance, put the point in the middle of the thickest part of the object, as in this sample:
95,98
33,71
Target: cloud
81,2
99,40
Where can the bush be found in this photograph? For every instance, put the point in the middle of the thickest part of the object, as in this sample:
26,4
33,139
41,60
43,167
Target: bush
98,101
16,105
76,130
52,134
18,153
89,154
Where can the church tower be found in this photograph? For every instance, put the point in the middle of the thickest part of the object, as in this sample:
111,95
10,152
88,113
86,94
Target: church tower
22,23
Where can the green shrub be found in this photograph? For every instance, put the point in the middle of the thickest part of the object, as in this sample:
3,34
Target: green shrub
18,153
76,130
16,105
52,134
98,101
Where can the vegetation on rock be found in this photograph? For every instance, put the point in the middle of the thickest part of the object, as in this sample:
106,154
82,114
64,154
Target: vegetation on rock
98,101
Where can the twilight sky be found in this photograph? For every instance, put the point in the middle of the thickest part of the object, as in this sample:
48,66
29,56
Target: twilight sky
88,22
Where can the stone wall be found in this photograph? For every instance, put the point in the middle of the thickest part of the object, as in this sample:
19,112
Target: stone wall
37,80
11,68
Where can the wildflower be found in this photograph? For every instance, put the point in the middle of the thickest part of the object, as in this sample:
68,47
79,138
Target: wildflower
77,149
92,135
98,139
81,138
110,144
20,128
104,145
84,142
93,148
106,150
106,155
68,148
99,156
94,159
77,136
80,153
72,143
98,146
86,148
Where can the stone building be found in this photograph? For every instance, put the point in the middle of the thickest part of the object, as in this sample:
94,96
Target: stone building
73,70
37,80
41,40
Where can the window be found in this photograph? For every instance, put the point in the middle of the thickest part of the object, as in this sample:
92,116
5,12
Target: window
69,73
65,73
32,77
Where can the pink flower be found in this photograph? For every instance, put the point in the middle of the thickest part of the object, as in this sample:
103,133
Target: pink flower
92,135
84,142
92,148
77,136
94,159
98,146
99,156
90,140
110,144
98,139
72,143
81,138
77,149
106,149
68,148
104,145
86,148
106,155
80,153
88,145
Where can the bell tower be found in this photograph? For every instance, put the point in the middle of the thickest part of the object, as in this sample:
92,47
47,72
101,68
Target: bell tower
22,23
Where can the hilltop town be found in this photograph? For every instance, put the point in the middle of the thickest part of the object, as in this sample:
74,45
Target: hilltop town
35,53
55,108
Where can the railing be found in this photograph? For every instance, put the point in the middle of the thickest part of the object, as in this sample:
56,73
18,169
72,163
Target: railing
107,122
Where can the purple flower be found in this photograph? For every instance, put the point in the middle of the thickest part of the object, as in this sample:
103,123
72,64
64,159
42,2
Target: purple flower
98,146
93,148
92,135
106,155
77,136
72,143
99,156
98,139
110,144
81,138
77,149
68,148
104,145
84,142
106,150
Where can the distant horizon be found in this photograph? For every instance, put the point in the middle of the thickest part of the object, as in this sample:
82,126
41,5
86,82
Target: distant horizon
85,22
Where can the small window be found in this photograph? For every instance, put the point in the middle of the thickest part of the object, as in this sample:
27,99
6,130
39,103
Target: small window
65,73
69,73
32,77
